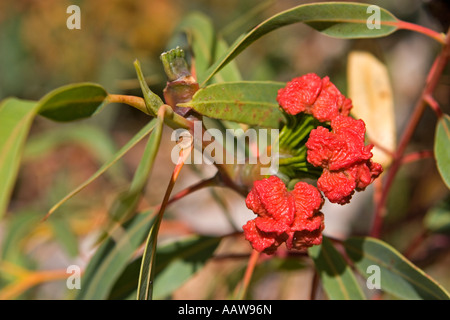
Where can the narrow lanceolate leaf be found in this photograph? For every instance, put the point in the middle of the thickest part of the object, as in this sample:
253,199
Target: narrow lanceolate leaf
126,203
147,272
442,148
378,261
249,102
176,262
180,260
230,72
67,103
130,144
72,102
370,89
335,19
113,256
200,33
337,277
16,117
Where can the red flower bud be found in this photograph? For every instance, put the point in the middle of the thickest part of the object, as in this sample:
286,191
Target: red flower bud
300,93
283,216
315,96
344,157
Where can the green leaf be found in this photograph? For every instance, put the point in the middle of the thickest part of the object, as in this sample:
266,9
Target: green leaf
72,102
249,102
18,227
16,117
180,260
130,144
229,73
146,275
113,256
65,235
176,262
147,272
200,33
152,100
437,219
398,276
126,284
67,103
127,202
337,277
205,46
442,148
335,19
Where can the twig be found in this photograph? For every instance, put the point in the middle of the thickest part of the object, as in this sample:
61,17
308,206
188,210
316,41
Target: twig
243,288
417,241
414,156
314,285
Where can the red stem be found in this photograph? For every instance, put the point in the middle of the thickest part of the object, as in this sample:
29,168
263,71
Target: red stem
431,83
414,156
420,29
417,241
248,274
200,185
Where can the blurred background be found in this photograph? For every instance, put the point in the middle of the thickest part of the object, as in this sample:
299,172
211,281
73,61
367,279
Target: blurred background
39,53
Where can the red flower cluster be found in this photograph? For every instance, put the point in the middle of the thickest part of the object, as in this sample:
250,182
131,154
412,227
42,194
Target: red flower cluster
344,157
341,152
293,216
313,95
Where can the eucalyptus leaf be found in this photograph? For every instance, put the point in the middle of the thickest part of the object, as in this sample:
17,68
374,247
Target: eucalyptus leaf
442,148
113,256
201,37
72,102
336,19
249,102
67,103
337,277
176,262
64,234
130,144
397,275
16,117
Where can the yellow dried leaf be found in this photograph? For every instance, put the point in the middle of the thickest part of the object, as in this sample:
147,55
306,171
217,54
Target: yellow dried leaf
370,89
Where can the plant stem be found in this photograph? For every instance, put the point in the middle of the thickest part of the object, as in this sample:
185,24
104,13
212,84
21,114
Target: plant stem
417,241
414,156
133,101
172,119
145,287
242,290
434,105
211,182
314,285
431,83
439,37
